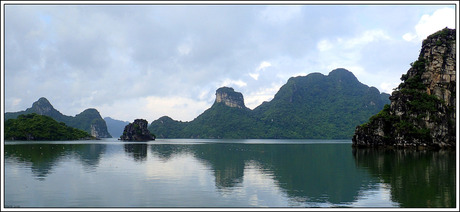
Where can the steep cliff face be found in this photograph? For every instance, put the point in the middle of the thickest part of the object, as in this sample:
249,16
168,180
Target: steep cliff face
422,110
230,97
137,131
91,121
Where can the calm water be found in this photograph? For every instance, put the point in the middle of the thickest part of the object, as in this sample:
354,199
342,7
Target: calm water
224,173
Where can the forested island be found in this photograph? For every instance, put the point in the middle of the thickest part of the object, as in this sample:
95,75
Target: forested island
89,120
315,106
42,128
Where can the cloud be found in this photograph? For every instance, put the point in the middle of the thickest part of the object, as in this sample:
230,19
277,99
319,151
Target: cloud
429,24
230,83
367,37
119,58
346,52
388,87
280,14
264,64
154,107
324,45
257,97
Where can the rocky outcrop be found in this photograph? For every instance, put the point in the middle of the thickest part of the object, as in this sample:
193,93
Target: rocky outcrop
230,97
422,110
137,131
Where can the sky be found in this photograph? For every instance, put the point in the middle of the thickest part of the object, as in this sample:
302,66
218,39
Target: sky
147,61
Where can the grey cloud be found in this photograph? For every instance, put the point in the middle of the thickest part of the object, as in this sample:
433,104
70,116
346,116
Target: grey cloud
95,55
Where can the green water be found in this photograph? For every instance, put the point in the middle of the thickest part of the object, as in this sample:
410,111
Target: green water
189,173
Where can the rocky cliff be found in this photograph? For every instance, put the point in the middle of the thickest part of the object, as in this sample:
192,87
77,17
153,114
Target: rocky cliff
137,131
229,97
423,107
91,121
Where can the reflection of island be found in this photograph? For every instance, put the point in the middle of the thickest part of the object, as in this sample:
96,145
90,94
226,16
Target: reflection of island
307,174
417,178
43,157
167,151
304,172
225,160
136,150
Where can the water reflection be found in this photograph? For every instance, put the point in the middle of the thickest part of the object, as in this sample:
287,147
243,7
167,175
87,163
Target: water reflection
138,151
311,173
417,178
308,174
226,160
43,157
167,151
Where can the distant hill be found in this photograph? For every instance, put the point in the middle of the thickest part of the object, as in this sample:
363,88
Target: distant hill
319,106
115,127
89,120
38,127
312,106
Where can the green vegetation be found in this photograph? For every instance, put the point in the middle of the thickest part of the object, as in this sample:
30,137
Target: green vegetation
313,106
318,106
414,103
414,82
83,121
38,127
439,35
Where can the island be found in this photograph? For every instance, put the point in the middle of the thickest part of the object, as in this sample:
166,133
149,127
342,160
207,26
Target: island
35,127
137,131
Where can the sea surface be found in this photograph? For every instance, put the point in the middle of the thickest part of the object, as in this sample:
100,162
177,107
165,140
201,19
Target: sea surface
207,173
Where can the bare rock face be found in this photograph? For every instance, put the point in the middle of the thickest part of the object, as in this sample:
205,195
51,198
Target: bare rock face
230,97
137,131
422,110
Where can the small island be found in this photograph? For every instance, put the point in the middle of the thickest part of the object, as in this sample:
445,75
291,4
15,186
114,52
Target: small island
34,127
137,131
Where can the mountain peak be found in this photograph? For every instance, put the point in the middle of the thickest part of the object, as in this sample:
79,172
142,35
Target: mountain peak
230,97
42,106
42,102
342,74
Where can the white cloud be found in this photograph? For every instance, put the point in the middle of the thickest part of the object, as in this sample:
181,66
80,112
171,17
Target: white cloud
264,64
366,38
429,24
387,87
229,83
254,75
324,45
254,99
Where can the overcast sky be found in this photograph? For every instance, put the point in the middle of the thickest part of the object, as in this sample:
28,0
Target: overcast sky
147,61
